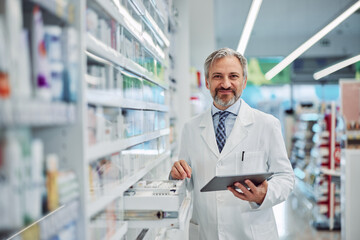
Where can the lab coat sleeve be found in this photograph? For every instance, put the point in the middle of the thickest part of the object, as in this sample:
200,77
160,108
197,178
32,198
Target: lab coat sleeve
282,182
184,153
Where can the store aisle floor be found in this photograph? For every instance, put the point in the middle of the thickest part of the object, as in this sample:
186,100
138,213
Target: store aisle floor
293,218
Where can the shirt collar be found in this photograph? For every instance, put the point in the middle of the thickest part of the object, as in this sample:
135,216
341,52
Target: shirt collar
234,109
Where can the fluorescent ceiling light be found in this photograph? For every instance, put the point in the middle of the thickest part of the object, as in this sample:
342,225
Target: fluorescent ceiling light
306,45
254,9
336,67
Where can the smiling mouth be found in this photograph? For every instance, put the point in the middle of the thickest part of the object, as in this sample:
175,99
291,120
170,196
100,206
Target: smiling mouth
225,91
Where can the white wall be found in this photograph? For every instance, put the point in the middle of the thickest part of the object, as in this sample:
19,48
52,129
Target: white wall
202,35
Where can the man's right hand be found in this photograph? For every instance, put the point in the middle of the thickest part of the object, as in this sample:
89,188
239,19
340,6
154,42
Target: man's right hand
181,170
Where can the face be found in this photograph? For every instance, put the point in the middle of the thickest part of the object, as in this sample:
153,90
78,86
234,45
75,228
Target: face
226,81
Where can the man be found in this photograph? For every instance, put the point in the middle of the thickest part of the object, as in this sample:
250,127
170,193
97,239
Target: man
233,138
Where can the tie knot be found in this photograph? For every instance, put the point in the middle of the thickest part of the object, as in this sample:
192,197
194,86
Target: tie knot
223,115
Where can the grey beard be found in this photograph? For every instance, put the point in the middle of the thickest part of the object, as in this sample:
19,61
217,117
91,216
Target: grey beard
223,103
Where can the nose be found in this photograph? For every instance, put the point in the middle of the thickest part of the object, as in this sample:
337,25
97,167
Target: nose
226,82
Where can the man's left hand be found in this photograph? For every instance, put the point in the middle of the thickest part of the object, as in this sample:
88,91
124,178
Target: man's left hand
254,194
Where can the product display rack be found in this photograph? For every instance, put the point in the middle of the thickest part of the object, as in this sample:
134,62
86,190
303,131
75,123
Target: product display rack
98,97
118,119
135,96
106,148
318,177
302,140
99,204
36,113
40,122
330,172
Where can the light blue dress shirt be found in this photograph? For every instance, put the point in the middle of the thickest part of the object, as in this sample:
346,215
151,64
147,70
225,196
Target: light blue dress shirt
230,120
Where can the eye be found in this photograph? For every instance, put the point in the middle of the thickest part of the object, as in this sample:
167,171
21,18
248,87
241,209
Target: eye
234,76
217,76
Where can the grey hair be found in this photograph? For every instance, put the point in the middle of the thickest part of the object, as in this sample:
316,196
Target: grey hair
221,53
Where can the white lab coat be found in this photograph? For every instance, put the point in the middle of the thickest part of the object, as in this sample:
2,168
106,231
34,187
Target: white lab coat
220,215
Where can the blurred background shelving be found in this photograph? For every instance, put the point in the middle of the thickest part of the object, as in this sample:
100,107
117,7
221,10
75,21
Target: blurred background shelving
94,95
84,115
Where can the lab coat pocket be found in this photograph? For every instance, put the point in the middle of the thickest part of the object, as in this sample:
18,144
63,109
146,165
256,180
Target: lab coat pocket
193,231
264,231
250,162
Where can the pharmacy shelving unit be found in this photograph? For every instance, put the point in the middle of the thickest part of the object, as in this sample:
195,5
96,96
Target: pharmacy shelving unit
302,140
319,178
327,154
111,126
38,130
127,121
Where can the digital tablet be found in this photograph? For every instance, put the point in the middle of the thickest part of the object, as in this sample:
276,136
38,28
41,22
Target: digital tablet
219,183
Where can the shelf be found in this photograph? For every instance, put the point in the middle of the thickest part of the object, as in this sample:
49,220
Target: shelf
306,190
184,212
35,223
136,68
106,148
353,134
62,216
114,12
117,12
156,28
309,117
330,172
101,50
98,205
150,21
36,113
120,232
63,9
111,99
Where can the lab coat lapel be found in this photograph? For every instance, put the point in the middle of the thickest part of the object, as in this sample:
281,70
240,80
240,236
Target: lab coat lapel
240,129
207,132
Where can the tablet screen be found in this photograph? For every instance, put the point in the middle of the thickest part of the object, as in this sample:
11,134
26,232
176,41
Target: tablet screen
219,183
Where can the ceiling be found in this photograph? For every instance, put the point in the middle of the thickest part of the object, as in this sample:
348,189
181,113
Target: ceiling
283,25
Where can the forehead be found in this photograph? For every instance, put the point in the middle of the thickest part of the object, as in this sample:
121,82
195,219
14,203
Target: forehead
226,64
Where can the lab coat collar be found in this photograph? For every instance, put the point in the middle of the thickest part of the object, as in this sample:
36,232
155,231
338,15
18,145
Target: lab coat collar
238,133
208,133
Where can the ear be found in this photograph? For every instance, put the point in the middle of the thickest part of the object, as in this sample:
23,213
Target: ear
207,83
244,84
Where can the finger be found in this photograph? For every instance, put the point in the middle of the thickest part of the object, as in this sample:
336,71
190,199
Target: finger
251,186
180,170
237,194
186,167
264,184
243,189
175,173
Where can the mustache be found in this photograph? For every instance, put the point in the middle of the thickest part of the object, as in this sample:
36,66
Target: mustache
226,89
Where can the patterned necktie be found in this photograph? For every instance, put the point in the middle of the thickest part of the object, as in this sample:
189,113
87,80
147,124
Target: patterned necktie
220,131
